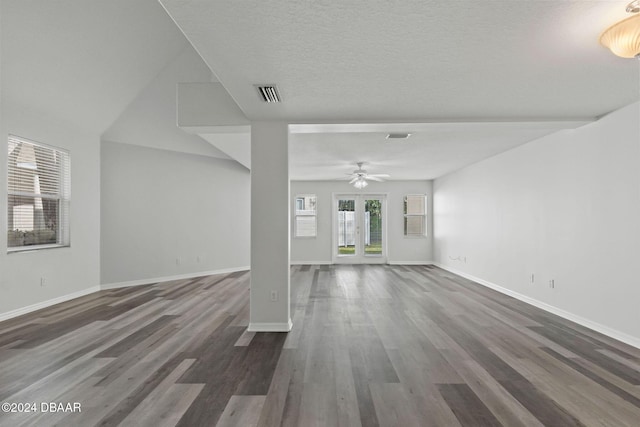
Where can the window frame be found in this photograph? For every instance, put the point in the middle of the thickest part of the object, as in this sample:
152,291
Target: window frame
63,197
295,216
425,224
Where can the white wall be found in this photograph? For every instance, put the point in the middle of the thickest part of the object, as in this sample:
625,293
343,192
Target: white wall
160,205
150,120
84,61
565,207
65,270
400,249
270,245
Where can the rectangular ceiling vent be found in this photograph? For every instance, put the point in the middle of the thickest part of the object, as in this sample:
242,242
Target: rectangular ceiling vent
398,135
268,93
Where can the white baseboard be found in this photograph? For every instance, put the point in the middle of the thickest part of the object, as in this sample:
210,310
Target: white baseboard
140,282
410,262
605,330
310,262
270,327
388,262
44,304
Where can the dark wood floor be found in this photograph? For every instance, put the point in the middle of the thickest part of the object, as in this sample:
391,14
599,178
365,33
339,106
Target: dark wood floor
371,345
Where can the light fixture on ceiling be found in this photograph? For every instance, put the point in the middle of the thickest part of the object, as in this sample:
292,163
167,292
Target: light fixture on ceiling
623,38
359,177
360,183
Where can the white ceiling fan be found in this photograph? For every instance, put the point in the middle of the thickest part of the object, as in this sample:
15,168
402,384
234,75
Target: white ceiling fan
359,177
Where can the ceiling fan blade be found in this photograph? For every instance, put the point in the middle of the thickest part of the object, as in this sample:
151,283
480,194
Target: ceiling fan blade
374,178
354,180
380,175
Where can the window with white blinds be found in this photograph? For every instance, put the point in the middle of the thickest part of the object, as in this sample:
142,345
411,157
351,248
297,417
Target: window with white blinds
415,215
39,193
305,221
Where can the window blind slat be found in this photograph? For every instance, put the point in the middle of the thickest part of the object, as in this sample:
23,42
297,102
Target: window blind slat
415,208
415,205
38,194
305,224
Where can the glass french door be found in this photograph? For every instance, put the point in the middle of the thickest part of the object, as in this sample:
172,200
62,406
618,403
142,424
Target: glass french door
359,229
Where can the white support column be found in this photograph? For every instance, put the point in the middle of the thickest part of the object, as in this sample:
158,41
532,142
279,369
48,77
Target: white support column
270,227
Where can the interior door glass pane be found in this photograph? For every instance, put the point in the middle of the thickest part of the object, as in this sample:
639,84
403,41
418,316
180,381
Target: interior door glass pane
347,227
373,227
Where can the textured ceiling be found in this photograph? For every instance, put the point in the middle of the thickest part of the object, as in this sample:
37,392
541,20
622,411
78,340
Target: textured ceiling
413,60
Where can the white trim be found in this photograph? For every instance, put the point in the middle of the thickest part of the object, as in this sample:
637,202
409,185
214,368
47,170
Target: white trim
310,263
424,216
359,198
34,248
388,262
270,327
295,216
605,330
168,278
44,304
410,263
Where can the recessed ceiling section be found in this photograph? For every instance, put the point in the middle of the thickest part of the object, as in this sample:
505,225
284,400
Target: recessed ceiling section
433,150
330,151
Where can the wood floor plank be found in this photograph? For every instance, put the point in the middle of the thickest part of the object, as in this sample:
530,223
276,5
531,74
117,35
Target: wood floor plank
503,405
594,376
318,406
570,390
370,345
166,403
466,406
276,397
393,406
242,411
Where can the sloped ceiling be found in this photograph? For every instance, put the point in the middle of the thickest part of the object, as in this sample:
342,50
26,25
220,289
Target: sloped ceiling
84,61
150,120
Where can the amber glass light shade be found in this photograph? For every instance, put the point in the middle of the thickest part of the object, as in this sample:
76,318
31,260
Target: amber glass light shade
623,38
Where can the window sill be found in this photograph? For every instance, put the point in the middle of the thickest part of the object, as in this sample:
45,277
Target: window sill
34,248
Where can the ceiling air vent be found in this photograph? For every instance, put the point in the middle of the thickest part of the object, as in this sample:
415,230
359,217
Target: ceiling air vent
268,93
398,135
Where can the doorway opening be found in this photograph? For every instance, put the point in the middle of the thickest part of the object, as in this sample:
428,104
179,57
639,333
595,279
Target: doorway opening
359,229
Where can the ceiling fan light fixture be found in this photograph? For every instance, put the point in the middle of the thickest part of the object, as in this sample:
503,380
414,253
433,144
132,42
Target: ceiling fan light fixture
623,38
360,183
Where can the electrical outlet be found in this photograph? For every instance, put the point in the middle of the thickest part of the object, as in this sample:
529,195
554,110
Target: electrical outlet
552,284
198,259
274,296
42,281
178,261
533,278
465,260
